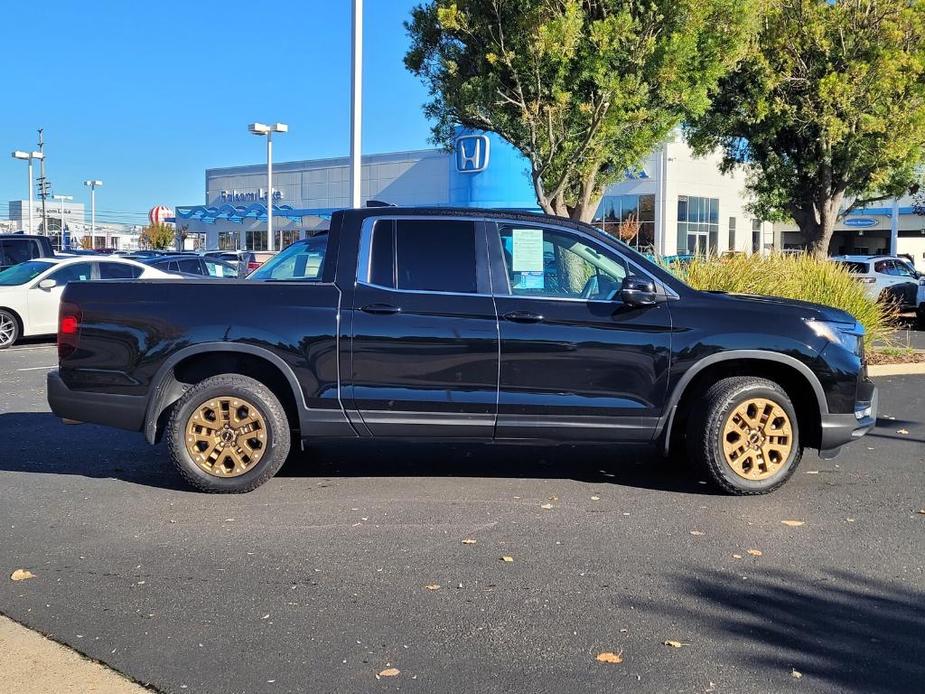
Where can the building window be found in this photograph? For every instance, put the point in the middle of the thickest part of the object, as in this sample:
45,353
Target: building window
756,236
698,225
255,240
630,218
732,234
285,237
228,240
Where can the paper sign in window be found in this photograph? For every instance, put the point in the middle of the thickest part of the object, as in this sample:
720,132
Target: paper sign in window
527,250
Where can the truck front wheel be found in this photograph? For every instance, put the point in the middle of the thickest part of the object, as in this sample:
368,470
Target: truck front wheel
745,435
228,434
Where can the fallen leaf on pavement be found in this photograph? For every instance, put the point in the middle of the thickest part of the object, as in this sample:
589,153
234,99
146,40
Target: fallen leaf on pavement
433,586
546,506
755,552
904,432
792,523
507,558
21,575
553,498
697,532
610,657
469,541
796,674
736,556
390,672
595,498
921,511
675,644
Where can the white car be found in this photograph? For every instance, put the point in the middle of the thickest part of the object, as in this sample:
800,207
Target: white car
886,273
30,292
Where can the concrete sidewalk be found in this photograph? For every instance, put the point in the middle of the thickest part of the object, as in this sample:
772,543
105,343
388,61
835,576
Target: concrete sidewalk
33,664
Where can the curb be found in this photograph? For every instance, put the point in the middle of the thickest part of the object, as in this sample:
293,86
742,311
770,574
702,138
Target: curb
917,369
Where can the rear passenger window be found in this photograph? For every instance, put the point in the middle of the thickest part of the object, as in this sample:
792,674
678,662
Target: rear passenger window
190,265
118,271
424,255
19,251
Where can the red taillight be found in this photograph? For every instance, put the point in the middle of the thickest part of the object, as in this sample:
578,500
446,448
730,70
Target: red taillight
253,265
68,329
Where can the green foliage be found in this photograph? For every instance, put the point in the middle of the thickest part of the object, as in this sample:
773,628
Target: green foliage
792,276
828,111
584,88
158,237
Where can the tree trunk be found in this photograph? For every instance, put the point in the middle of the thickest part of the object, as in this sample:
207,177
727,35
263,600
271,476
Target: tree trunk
816,222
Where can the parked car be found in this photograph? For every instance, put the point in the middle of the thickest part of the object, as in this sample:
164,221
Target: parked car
889,278
433,324
189,264
18,248
31,291
248,261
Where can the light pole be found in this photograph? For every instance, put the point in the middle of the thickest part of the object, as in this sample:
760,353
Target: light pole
62,199
93,185
268,130
29,156
356,104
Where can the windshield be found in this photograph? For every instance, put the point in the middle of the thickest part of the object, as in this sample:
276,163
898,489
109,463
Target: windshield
22,273
302,260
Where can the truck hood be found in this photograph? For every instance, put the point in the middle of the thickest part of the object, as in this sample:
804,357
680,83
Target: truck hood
803,309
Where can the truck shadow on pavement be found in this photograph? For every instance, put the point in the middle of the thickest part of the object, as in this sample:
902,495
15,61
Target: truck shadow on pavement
843,631
38,442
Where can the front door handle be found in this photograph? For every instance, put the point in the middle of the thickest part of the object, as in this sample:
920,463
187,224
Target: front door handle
381,309
522,317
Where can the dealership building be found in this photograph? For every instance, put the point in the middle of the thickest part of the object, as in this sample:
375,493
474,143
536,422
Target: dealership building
680,203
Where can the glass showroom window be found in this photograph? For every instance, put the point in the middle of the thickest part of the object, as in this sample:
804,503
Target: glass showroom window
630,218
256,240
698,225
285,237
228,240
756,236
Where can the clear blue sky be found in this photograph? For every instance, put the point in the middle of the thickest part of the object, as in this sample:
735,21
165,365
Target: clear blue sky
147,95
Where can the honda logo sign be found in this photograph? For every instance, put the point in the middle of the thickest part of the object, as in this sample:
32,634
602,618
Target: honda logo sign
472,153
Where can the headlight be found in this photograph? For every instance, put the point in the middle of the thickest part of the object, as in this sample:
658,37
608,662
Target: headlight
848,335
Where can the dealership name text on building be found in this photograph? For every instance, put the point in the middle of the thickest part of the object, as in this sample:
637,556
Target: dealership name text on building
249,196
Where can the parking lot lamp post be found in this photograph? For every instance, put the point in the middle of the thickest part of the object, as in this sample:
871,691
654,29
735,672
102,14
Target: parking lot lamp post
29,156
93,185
268,130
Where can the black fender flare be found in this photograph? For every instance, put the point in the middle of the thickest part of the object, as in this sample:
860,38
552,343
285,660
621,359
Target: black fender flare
165,390
667,420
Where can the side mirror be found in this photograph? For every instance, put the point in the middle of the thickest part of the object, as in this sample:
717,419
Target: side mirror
638,291
48,284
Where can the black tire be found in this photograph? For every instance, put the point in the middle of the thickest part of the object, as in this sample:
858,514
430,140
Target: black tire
275,444
705,432
9,329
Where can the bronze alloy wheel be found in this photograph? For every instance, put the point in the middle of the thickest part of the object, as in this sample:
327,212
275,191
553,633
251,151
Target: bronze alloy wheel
226,436
757,438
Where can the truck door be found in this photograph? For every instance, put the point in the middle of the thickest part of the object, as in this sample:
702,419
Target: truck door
424,347
576,362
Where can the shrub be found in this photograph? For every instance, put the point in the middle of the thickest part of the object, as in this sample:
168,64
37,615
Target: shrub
792,276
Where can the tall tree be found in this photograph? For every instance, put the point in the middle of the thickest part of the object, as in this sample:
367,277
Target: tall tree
157,236
584,88
828,112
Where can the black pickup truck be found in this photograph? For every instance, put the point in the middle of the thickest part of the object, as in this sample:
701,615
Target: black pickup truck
460,324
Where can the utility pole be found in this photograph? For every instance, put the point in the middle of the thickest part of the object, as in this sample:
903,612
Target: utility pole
356,104
43,182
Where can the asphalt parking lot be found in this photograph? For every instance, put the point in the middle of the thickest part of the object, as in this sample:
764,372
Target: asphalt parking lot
325,577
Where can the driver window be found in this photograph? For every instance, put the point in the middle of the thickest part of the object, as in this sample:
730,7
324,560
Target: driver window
548,263
74,272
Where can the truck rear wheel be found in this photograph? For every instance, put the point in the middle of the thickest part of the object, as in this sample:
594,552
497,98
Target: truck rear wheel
228,434
745,435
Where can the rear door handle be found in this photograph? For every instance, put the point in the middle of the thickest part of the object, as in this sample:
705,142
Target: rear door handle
522,317
381,309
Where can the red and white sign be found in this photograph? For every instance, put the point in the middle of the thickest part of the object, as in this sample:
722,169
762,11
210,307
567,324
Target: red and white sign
158,215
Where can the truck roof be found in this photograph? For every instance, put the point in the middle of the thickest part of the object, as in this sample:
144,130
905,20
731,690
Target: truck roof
500,213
